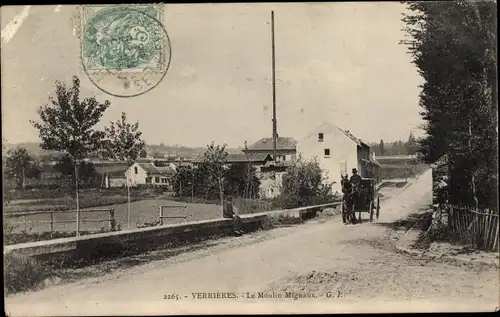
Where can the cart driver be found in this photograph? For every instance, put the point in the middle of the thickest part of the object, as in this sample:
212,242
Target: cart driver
355,178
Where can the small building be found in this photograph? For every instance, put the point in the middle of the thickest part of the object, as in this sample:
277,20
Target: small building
338,152
149,174
112,173
286,148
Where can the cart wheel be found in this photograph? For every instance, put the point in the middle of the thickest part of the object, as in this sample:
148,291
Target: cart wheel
378,206
371,211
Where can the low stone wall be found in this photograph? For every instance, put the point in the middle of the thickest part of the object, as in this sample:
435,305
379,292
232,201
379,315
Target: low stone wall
92,248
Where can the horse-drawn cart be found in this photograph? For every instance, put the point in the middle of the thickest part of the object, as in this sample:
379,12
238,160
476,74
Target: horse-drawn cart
361,198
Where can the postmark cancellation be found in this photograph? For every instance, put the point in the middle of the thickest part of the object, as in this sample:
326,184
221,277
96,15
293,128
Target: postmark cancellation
125,49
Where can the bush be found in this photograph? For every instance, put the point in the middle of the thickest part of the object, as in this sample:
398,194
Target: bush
304,185
22,273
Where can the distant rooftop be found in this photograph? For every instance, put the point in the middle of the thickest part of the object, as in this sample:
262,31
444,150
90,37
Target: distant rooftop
151,169
240,158
266,144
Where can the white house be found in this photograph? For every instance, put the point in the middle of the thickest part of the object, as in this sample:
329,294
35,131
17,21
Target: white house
148,173
338,152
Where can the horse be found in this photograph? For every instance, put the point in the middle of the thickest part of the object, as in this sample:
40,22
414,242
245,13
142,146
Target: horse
349,199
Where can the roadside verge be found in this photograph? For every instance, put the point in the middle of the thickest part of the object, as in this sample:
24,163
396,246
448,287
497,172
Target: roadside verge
405,245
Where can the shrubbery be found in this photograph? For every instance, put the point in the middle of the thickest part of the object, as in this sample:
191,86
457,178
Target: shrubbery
22,273
304,185
214,175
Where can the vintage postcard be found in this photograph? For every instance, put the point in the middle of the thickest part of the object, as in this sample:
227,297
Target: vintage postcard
166,159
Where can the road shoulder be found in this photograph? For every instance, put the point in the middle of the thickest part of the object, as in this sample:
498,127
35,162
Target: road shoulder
408,245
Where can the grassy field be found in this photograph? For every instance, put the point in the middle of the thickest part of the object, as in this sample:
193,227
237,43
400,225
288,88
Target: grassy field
398,167
143,212
64,200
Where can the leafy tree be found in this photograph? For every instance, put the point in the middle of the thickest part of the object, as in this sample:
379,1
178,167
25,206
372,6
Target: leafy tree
67,125
411,144
86,170
241,180
215,164
453,44
123,140
304,185
19,165
143,153
207,179
183,181
381,147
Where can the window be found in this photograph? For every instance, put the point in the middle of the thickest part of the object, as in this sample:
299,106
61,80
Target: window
327,152
135,169
320,137
157,180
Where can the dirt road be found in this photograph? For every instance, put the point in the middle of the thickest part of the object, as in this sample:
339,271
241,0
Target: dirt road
340,268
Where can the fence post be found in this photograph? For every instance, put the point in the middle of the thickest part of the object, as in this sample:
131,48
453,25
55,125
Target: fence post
161,216
112,223
51,221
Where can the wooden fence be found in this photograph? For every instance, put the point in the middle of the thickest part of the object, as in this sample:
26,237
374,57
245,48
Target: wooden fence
479,229
178,216
25,216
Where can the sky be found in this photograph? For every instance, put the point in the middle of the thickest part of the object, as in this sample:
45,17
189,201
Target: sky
335,62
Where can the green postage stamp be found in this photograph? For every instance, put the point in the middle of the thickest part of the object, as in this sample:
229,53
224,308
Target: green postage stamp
125,49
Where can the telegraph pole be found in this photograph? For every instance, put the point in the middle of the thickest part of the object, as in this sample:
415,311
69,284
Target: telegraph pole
274,88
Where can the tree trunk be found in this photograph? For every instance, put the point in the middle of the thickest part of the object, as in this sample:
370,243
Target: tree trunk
23,184
77,200
128,204
221,198
473,180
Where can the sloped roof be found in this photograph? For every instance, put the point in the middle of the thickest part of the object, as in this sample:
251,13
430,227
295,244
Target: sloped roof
282,143
111,167
372,161
239,158
257,157
165,169
149,168
155,170
347,133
